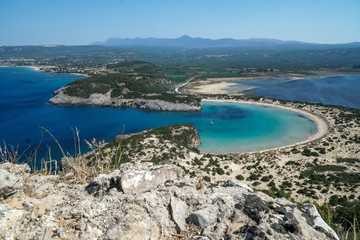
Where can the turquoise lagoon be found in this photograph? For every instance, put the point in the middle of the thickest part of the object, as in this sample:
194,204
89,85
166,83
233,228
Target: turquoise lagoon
248,127
236,127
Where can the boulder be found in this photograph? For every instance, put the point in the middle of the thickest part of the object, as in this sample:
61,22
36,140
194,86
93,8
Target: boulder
204,217
133,180
103,183
136,224
318,222
179,211
253,206
9,184
138,181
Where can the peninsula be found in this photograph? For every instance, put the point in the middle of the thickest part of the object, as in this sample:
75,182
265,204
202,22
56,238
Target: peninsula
117,90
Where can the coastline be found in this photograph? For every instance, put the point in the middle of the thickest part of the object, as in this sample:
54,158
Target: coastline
105,100
36,68
322,125
220,85
331,146
282,163
39,69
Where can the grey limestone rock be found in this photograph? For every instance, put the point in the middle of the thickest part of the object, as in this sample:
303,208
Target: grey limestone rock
103,183
318,222
155,203
105,100
133,180
9,184
179,211
136,224
138,181
204,217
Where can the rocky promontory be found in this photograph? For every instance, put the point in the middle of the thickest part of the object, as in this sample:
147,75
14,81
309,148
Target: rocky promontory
145,201
105,100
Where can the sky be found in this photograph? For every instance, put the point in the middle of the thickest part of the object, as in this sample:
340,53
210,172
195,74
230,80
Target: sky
79,22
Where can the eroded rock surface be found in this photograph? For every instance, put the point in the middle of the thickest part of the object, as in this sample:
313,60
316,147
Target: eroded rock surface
105,100
149,202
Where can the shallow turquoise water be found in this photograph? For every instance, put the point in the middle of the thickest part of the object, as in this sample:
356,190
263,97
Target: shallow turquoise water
244,127
237,127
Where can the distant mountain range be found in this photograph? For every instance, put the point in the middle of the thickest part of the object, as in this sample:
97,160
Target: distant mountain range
190,42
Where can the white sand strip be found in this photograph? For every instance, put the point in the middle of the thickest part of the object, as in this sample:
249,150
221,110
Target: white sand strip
213,88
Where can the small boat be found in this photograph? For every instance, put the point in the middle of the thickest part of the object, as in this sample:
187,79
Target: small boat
211,123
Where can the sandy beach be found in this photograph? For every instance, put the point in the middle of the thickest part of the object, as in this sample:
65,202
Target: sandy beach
219,85
34,68
42,69
212,88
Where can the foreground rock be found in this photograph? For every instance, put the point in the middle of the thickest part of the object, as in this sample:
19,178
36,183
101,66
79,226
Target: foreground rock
149,202
105,100
9,184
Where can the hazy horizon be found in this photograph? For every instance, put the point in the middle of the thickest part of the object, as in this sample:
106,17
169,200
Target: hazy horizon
103,41
83,22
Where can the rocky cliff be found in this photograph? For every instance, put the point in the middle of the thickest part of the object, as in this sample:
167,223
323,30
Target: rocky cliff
144,201
105,100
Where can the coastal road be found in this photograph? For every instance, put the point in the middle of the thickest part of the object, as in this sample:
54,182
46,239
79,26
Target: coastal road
184,84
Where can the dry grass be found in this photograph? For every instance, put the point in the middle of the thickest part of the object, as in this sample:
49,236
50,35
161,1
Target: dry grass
10,153
79,168
82,169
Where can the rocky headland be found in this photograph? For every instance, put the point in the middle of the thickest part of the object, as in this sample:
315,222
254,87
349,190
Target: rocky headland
144,201
105,100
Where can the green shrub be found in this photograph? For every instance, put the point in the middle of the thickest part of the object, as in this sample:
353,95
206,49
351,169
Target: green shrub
348,160
256,183
207,178
277,193
342,215
308,153
239,177
195,150
286,184
197,161
294,151
220,171
265,179
292,163
253,177
272,184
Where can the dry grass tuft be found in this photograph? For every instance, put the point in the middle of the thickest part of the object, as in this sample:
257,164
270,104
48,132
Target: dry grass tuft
79,168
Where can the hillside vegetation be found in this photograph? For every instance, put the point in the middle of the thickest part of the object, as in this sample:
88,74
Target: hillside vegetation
215,61
128,87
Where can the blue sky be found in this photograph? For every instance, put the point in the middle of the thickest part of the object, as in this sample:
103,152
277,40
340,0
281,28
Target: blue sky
77,22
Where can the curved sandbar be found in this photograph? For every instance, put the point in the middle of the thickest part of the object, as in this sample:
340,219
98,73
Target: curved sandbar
322,125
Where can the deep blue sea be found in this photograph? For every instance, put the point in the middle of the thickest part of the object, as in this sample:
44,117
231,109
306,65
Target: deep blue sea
24,93
342,90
